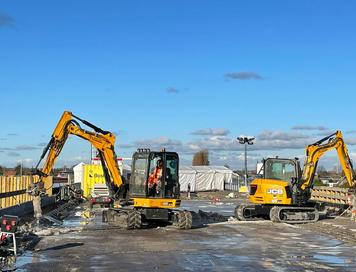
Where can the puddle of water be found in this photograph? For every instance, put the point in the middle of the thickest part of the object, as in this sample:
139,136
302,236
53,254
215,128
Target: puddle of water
79,219
207,206
28,257
336,260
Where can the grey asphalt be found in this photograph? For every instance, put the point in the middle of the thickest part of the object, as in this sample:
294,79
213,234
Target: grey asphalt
228,246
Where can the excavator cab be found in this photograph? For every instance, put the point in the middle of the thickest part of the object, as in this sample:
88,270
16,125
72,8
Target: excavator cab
159,206
282,169
153,202
144,163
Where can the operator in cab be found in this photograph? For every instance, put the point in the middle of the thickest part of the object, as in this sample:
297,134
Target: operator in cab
154,180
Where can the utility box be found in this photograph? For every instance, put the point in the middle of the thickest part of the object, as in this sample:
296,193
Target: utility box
92,175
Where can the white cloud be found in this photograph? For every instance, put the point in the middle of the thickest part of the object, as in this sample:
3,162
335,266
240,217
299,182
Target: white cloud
307,127
244,75
211,132
159,143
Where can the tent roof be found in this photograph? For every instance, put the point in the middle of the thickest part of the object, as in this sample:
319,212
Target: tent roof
186,169
204,168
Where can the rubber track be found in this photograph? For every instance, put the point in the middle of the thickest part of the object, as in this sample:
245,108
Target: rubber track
276,211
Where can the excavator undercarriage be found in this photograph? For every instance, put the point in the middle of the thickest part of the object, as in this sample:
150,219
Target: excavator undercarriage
278,214
140,218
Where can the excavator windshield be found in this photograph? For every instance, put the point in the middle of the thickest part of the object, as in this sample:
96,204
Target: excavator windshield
280,169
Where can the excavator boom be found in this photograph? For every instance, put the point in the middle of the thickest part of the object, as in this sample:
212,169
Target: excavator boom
103,141
316,150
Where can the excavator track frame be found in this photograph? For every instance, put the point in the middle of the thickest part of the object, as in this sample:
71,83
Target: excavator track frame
294,215
133,218
277,214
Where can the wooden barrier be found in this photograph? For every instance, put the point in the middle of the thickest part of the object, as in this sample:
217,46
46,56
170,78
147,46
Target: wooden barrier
13,189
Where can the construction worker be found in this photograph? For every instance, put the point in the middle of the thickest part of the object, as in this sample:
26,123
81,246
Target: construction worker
154,179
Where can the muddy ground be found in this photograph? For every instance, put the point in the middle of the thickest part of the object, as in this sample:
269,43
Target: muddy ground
86,244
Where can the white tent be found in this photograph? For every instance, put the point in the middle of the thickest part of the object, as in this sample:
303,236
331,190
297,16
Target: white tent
204,178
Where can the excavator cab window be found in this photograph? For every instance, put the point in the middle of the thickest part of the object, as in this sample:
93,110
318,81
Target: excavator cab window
144,170
155,178
139,175
168,186
171,176
280,169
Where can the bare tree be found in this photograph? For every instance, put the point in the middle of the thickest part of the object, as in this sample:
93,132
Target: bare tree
322,172
201,158
18,169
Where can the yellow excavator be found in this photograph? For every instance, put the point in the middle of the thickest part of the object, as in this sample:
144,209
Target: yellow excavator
133,204
287,194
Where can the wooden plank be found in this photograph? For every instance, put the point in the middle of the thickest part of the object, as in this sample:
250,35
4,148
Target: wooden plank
9,183
13,200
2,188
17,197
29,183
26,185
6,190
12,183
22,187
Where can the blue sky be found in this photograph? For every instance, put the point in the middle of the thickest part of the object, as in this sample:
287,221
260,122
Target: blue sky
181,74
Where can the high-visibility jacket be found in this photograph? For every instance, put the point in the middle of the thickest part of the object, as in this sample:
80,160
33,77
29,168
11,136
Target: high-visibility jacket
155,177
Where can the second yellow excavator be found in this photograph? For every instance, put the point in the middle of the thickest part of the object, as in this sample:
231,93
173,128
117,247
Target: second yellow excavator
134,203
285,193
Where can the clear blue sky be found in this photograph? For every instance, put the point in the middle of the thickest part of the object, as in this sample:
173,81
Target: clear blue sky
172,73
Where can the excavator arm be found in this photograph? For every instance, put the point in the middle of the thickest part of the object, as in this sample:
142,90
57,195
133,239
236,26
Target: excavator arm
102,140
316,150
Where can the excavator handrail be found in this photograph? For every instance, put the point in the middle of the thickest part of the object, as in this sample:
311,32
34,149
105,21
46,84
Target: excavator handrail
102,140
316,150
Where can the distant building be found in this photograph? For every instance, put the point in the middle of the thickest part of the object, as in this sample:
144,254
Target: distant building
9,172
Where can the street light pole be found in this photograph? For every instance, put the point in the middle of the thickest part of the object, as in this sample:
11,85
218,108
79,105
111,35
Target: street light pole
245,144
246,140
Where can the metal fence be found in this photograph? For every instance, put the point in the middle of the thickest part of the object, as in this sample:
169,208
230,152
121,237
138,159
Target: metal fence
234,185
